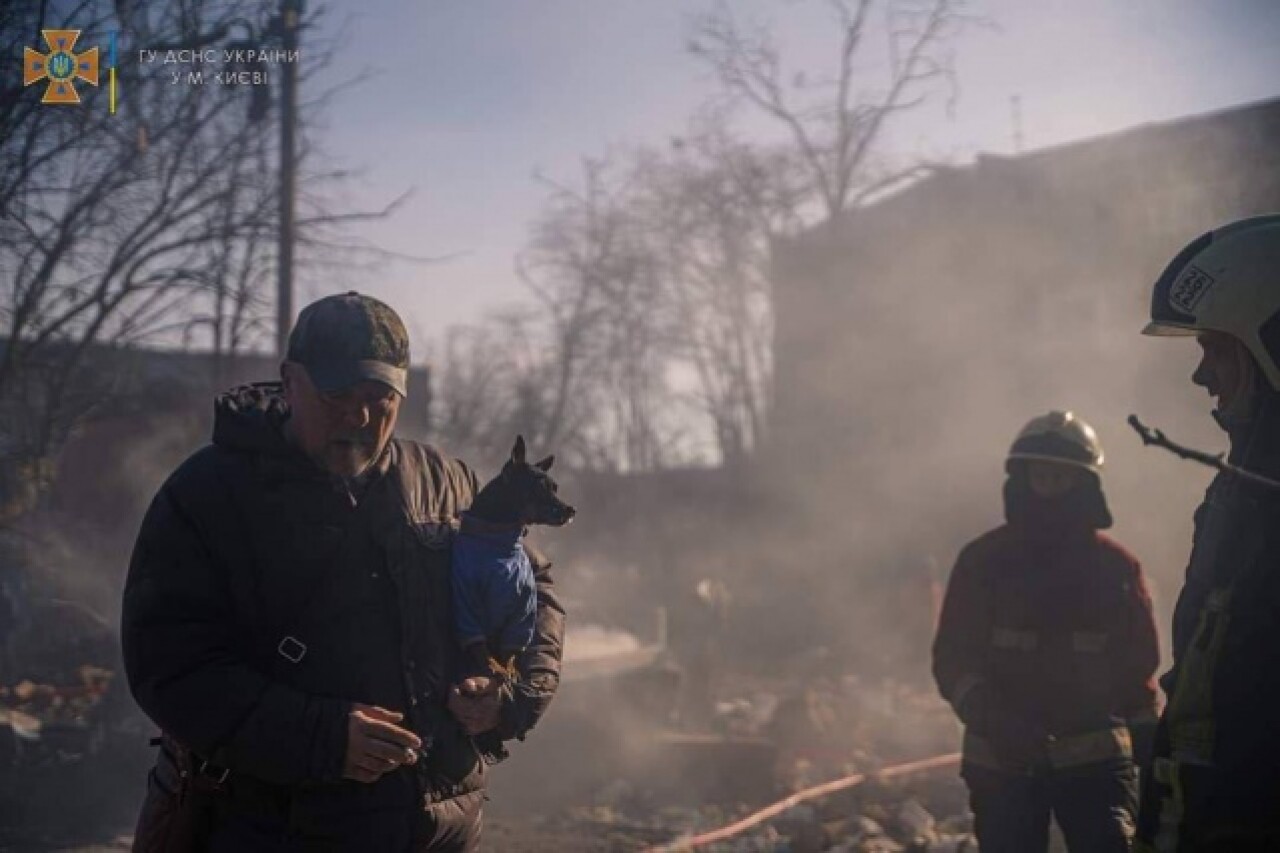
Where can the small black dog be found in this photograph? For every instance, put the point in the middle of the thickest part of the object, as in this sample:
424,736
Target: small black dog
494,592
522,494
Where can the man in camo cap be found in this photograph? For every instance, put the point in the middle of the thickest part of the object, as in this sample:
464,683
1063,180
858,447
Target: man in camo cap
286,619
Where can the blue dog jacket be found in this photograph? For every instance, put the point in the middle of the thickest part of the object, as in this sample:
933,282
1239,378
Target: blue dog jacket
494,595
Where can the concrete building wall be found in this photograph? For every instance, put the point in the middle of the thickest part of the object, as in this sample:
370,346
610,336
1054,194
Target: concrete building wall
914,337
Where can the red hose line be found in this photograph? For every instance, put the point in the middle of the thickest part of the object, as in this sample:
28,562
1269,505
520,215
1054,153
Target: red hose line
757,818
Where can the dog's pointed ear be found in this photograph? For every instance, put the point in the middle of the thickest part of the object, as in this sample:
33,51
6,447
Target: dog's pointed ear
545,464
517,452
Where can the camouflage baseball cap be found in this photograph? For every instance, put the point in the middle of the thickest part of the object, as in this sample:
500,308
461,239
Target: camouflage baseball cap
350,337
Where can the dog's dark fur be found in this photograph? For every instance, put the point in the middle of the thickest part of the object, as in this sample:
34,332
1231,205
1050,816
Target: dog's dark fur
522,494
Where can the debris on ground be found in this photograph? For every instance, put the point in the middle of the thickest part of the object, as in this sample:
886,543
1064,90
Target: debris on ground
768,742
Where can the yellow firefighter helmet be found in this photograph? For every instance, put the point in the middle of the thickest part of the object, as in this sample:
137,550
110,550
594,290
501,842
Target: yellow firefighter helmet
1059,437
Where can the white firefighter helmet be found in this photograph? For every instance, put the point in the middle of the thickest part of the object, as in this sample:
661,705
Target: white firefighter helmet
1059,437
1228,281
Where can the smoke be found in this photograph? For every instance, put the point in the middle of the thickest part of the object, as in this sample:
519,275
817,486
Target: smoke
592,642
913,340
81,540
918,337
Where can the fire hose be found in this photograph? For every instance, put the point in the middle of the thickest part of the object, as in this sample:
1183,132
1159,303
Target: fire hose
818,791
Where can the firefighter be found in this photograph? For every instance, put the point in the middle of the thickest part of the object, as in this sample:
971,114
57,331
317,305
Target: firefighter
1215,780
1046,649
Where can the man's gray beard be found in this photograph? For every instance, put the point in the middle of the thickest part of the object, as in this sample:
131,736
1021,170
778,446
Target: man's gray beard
354,462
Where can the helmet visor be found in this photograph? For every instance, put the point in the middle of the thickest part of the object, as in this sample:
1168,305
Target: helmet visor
1158,329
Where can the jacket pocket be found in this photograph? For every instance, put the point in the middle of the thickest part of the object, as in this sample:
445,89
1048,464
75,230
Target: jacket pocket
452,824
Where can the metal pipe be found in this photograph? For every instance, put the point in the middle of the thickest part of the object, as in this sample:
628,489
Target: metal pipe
289,13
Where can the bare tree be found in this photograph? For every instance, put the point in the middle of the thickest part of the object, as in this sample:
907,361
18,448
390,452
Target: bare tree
591,273
150,225
835,120
104,220
712,206
488,386
654,275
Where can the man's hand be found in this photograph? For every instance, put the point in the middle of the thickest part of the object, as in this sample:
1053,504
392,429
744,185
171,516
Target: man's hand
476,704
375,744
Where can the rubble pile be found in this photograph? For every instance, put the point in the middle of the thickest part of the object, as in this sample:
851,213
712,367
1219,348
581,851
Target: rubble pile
770,741
882,819
44,724
73,753
66,703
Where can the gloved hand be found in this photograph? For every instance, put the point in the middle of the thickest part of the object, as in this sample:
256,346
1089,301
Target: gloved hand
1014,740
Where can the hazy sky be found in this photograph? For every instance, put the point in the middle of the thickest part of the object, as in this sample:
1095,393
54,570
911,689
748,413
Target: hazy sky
472,96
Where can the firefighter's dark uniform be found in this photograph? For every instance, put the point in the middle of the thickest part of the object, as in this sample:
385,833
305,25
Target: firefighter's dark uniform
1047,648
1215,780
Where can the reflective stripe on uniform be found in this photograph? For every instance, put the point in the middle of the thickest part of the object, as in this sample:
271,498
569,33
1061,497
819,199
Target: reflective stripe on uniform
1166,775
1189,718
1089,642
1090,747
1010,638
1063,752
1190,714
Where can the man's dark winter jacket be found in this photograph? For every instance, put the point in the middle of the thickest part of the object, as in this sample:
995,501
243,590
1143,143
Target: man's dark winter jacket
249,556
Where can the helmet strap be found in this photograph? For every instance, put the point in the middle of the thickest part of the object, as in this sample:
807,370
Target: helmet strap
1243,408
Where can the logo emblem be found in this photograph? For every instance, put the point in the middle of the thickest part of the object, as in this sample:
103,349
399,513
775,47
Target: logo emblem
61,66
1189,288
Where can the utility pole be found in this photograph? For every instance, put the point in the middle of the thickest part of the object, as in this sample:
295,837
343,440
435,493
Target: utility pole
290,11
1015,119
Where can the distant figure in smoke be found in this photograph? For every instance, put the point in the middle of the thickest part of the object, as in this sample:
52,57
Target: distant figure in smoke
1046,649
703,657
1215,780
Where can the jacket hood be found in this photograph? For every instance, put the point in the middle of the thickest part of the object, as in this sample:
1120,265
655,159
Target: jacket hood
249,418
1078,512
